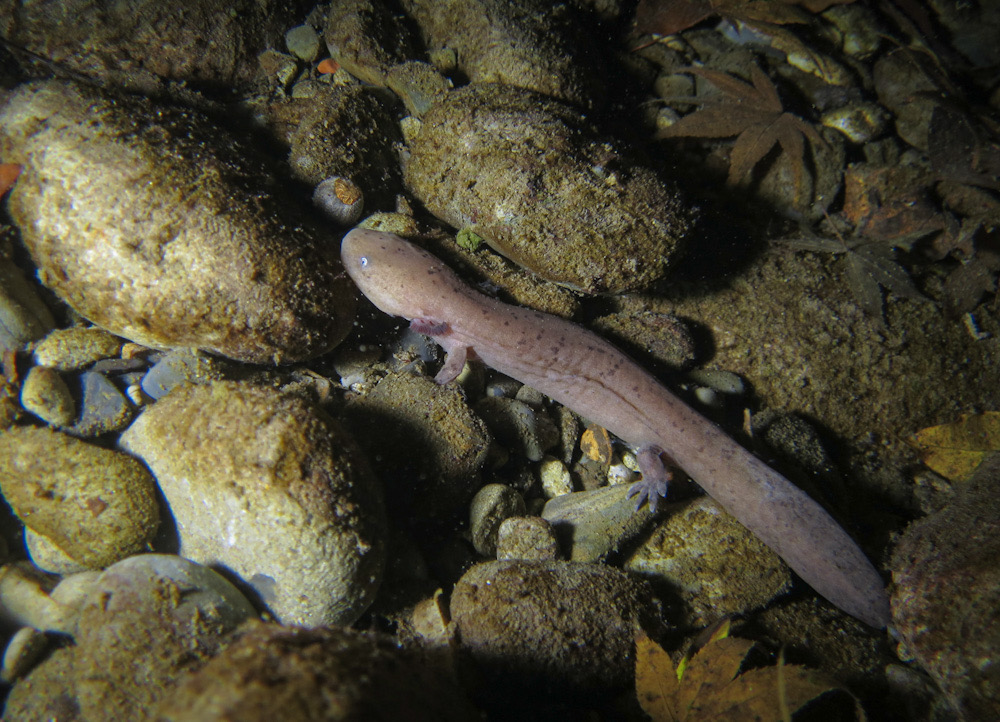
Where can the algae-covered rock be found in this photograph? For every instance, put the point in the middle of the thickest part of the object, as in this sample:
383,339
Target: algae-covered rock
553,628
155,224
212,44
271,672
348,131
533,44
269,487
95,506
542,187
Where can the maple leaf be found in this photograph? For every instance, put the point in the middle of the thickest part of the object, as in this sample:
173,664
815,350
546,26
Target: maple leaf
710,685
755,116
871,261
667,17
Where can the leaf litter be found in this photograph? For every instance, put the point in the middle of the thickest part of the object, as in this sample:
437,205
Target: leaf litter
755,115
708,684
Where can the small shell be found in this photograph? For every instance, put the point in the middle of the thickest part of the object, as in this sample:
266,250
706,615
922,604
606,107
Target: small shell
340,199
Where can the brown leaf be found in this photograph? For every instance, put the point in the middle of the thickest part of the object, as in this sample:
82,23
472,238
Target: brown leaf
755,116
668,17
712,688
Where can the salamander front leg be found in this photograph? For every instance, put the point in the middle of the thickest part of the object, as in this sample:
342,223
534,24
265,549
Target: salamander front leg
653,484
455,356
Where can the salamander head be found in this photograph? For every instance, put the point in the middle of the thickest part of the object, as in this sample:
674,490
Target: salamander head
400,278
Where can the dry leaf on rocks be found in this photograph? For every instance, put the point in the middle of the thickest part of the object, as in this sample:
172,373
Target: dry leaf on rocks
957,449
711,687
755,115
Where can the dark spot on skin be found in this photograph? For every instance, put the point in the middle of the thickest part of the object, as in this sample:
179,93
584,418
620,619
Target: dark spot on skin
539,336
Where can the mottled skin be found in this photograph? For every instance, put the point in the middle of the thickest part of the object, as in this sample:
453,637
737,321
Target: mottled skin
582,371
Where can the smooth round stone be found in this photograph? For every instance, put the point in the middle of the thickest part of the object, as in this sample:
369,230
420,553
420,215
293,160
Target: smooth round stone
584,212
156,224
490,507
267,486
95,505
47,396
68,349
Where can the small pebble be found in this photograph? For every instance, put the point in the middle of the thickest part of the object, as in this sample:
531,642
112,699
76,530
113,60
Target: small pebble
303,43
103,407
24,649
47,396
590,525
490,506
68,349
529,538
556,479
176,368
25,600
23,315
519,426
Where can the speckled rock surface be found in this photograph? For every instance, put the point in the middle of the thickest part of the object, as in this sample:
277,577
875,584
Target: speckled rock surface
213,44
349,131
581,213
530,44
551,628
271,488
23,315
66,349
707,561
94,505
947,592
426,443
205,250
271,672
791,327
148,620
368,38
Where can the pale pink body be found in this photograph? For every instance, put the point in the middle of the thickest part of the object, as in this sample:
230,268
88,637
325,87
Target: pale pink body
579,369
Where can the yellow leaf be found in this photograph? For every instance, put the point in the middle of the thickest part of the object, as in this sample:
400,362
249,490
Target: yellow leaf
655,680
712,687
955,450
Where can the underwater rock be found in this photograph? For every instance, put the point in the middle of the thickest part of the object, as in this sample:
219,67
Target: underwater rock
95,506
947,591
532,44
268,486
153,223
271,672
539,184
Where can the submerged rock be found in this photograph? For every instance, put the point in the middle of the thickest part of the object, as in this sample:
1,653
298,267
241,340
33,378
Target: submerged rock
532,44
84,505
271,672
947,591
269,487
537,182
153,223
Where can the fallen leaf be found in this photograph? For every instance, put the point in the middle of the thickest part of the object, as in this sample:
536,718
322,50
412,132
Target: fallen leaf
754,115
712,687
955,450
668,17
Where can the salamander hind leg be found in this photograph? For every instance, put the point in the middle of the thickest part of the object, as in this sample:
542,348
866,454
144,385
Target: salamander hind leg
653,484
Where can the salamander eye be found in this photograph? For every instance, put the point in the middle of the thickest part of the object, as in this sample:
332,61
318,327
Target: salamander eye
363,261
